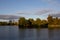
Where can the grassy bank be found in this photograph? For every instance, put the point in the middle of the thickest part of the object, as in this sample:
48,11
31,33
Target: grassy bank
53,26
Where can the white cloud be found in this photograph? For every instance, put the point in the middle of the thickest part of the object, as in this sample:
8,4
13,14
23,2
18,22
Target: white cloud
57,14
9,17
24,12
38,11
43,11
52,2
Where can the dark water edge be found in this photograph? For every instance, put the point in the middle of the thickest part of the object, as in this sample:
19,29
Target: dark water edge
31,27
51,28
33,34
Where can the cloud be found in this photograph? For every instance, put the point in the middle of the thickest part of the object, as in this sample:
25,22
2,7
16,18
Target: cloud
36,11
52,12
56,14
40,11
20,13
44,11
24,13
8,17
52,2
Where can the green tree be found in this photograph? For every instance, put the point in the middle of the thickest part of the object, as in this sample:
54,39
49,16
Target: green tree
22,22
59,21
44,22
31,20
50,19
55,21
10,22
38,21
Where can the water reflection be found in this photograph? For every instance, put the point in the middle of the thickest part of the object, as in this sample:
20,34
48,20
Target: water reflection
33,34
21,34
13,33
54,34
9,33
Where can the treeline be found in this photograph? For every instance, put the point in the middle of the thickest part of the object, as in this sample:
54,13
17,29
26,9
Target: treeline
38,23
31,23
8,23
53,22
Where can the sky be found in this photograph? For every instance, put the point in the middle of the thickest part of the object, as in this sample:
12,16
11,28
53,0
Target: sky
30,8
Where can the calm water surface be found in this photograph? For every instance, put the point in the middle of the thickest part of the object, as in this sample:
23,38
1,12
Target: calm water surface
14,33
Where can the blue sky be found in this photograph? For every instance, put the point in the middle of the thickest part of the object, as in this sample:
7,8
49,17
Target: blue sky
29,8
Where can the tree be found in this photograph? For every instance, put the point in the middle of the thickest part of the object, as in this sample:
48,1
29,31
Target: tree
10,22
31,20
59,21
55,21
44,22
38,21
22,22
50,19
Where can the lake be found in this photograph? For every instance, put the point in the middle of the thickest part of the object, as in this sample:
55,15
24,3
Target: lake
14,33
